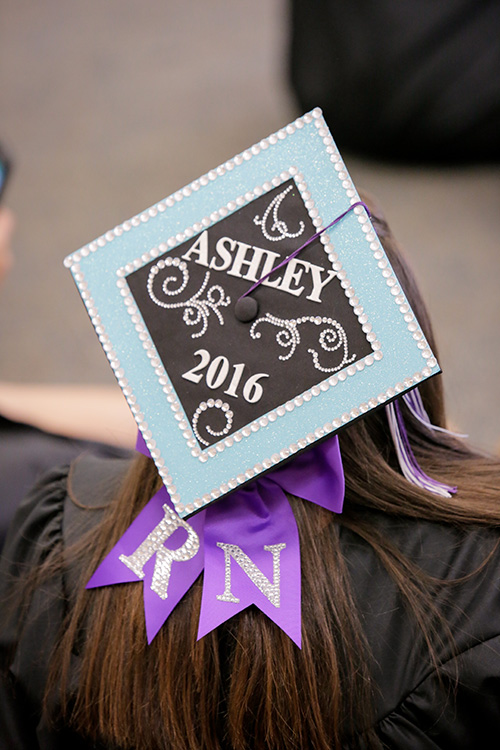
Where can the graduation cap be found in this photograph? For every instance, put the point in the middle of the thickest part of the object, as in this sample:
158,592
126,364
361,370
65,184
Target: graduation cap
224,390
249,317
226,384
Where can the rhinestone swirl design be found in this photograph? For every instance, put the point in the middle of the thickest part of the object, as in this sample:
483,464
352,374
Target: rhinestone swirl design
196,309
278,225
331,338
202,408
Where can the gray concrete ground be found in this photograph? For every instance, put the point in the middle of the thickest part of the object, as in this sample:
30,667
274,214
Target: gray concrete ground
109,106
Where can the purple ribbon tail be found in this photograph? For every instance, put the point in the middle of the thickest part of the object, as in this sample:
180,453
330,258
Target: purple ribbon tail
252,556
252,551
163,551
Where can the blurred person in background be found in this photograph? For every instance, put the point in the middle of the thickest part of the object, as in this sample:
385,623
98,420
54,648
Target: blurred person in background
42,426
402,80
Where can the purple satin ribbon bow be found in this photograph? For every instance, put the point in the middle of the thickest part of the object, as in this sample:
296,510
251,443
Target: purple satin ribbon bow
247,544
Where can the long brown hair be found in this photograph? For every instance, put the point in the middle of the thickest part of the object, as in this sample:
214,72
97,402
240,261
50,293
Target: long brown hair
246,684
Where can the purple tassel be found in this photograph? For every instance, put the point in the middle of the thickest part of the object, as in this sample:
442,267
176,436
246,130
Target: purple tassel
413,401
407,461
